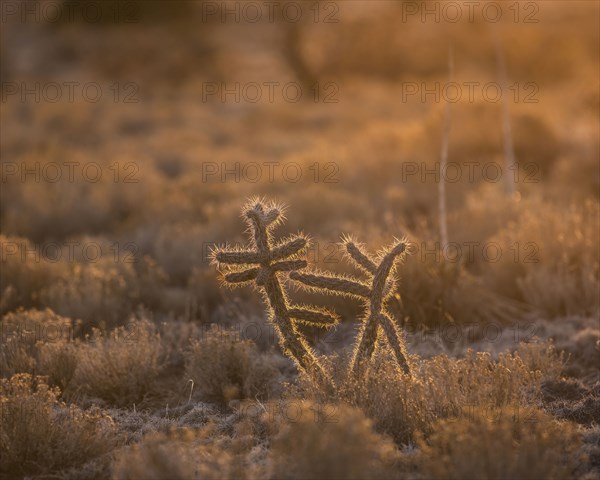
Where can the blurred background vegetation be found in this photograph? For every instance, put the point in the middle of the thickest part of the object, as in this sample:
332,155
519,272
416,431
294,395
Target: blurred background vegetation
154,61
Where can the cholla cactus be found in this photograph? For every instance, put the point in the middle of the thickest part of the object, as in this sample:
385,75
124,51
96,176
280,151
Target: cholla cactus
375,294
260,263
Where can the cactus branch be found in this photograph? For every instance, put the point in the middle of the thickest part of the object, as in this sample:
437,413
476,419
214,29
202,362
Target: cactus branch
334,284
360,258
243,276
395,340
238,257
314,316
289,248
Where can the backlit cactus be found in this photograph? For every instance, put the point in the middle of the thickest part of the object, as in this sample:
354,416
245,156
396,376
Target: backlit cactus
375,293
263,260
261,263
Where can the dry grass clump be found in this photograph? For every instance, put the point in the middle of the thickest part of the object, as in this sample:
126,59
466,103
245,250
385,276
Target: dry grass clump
573,400
120,368
497,444
591,447
550,259
318,441
438,292
23,275
443,387
40,434
23,331
101,292
183,454
58,362
223,368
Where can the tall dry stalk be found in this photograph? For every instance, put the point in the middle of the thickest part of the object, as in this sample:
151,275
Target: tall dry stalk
443,217
509,150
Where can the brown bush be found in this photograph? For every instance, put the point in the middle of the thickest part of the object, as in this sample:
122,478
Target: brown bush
40,434
180,454
224,367
495,444
58,361
443,387
556,270
120,368
23,275
333,441
23,331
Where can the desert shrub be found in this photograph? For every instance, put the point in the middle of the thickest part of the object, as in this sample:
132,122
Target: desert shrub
24,273
434,291
180,454
538,357
120,368
556,269
177,250
485,210
58,362
334,441
175,336
40,434
562,291
495,444
23,331
151,283
65,208
101,293
42,342
578,337
591,447
443,387
15,358
205,292
224,367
